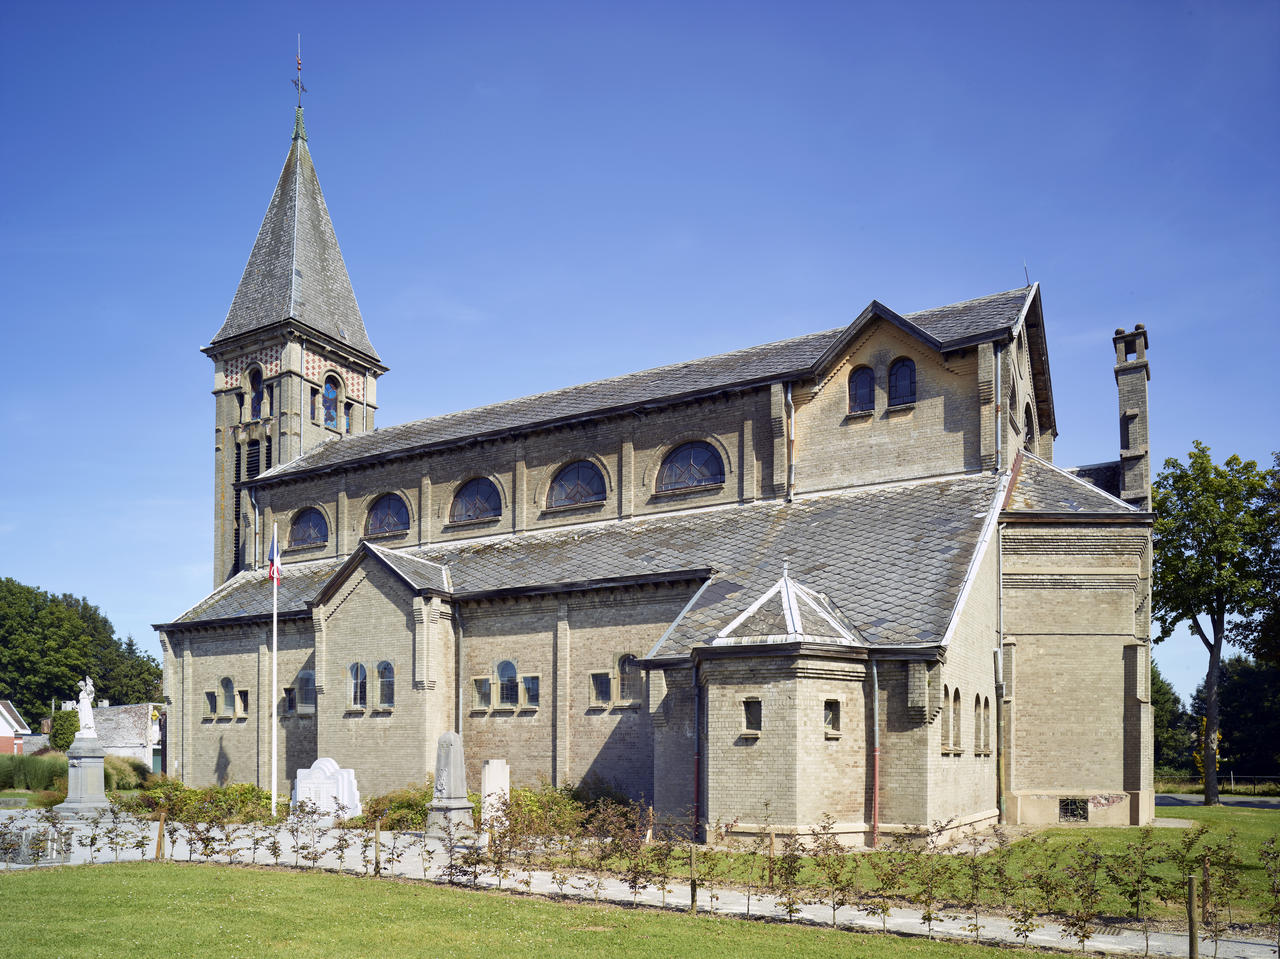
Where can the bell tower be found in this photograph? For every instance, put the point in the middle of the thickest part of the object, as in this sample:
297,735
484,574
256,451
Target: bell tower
293,366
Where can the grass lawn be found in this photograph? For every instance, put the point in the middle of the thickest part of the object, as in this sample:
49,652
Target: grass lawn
165,909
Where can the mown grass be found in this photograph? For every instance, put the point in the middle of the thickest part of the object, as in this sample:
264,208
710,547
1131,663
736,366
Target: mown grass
163,910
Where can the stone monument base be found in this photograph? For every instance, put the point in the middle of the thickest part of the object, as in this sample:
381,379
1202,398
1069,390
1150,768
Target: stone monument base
86,792
456,815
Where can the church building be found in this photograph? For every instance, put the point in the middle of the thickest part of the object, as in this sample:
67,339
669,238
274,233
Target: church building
836,574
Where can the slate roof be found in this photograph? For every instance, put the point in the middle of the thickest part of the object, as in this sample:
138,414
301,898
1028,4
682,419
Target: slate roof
988,316
892,560
420,573
119,727
789,612
1039,486
296,270
15,720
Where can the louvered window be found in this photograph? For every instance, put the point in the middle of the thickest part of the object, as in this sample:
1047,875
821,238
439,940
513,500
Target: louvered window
253,459
267,464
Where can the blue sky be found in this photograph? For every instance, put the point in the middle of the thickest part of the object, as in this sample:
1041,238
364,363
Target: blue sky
530,195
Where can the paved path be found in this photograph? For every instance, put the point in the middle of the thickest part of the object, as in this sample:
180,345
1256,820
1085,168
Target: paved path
1195,799
1112,941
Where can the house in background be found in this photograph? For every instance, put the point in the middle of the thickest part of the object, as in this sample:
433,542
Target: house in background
131,731
12,729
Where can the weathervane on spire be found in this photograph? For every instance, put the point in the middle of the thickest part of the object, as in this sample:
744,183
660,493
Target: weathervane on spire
297,81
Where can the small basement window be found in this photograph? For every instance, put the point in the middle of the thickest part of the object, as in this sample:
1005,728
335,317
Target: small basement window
752,715
1073,810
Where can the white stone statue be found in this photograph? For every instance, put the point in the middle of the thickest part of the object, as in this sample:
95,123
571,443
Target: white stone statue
85,707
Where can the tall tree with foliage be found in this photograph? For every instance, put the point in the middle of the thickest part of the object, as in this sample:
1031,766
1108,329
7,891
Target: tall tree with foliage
48,643
1249,711
1259,632
1173,736
1210,535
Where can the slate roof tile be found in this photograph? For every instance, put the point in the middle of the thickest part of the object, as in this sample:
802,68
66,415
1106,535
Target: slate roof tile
1042,487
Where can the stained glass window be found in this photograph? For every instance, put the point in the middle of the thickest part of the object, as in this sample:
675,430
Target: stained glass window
389,515
902,382
862,390
255,391
508,688
386,684
309,528
576,484
690,466
478,499
330,400
359,684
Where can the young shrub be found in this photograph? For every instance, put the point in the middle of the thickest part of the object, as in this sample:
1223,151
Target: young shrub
928,869
832,862
1134,873
605,828
786,873
1221,866
90,837
636,853
1269,856
1084,872
713,859
976,879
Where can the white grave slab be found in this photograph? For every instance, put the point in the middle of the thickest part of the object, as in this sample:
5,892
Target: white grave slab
325,786
495,787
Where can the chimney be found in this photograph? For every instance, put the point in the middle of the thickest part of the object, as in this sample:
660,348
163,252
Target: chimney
1132,374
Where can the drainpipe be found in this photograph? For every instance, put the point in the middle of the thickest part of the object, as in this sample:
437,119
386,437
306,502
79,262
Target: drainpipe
253,501
457,668
875,755
999,405
791,444
697,752
1001,771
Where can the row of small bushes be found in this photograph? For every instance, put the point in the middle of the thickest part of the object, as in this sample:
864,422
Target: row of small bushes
32,772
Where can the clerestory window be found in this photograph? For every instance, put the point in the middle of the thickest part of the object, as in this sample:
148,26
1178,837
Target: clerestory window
477,499
690,466
308,528
576,484
388,515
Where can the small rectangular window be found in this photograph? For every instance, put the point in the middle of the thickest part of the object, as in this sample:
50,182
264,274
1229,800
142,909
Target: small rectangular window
530,690
242,702
347,416
752,715
601,687
290,699
831,717
483,697
315,404
211,703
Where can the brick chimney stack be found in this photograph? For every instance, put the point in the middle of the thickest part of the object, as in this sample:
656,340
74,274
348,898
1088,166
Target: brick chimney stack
1132,374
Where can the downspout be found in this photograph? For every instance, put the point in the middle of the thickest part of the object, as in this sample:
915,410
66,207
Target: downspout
457,670
875,755
999,399
791,443
253,501
1001,770
697,753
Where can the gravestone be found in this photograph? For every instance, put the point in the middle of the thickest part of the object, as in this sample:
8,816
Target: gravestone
324,785
450,808
495,788
86,791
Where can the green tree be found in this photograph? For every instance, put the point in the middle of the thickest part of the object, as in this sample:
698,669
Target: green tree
1249,706
1173,734
63,729
1210,531
48,643
1259,632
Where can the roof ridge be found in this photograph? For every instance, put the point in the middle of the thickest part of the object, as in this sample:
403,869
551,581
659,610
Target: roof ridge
1025,290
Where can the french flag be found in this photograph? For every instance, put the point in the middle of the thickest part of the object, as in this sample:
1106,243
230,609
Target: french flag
273,559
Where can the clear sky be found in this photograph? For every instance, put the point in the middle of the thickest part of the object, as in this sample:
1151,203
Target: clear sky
535,194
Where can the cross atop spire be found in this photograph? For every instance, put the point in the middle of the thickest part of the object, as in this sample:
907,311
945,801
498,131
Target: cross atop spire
297,81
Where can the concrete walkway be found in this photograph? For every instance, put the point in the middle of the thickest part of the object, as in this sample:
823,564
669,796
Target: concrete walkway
1107,940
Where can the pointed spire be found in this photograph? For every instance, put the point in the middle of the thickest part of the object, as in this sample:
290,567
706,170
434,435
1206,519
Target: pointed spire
296,271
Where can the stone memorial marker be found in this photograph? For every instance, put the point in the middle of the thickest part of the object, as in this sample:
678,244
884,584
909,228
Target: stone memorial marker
324,785
85,784
450,805
495,787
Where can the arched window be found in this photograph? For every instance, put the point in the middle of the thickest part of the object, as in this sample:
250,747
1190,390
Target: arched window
628,677
228,696
690,466
306,686
946,720
359,685
576,484
308,528
388,515
986,726
255,394
329,398
977,726
508,688
956,742
386,684
477,499
862,390
1029,429
902,382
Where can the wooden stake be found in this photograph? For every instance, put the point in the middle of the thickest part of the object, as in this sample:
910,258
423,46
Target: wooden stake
1193,921
160,838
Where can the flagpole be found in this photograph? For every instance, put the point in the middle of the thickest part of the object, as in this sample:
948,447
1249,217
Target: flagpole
275,720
